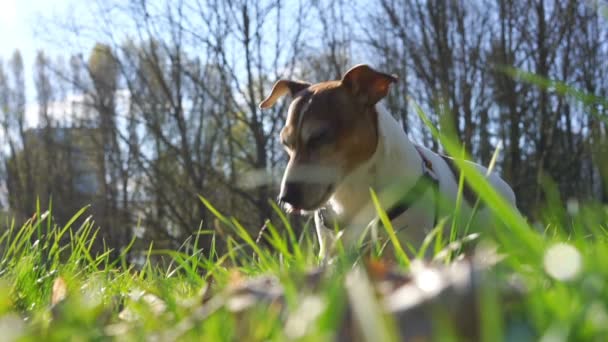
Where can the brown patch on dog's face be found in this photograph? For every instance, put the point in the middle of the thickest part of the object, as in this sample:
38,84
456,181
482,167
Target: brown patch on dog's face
328,134
331,129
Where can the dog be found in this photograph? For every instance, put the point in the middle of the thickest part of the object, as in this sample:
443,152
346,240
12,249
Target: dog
342,142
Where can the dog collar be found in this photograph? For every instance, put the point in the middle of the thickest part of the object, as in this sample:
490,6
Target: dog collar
427,180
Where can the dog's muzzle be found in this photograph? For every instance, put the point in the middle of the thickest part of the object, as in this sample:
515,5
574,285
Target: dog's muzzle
306,187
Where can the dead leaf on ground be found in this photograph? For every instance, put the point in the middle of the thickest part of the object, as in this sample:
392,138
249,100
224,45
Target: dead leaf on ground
59,291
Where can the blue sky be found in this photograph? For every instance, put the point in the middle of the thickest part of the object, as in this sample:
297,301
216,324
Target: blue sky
24,25
19,20
17,25
16,19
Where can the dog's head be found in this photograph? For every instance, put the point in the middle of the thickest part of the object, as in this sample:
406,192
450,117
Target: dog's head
331,129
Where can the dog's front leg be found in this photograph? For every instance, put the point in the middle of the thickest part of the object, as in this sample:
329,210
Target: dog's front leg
325,235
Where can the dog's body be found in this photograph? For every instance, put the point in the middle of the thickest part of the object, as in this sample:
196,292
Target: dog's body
342,144
398,161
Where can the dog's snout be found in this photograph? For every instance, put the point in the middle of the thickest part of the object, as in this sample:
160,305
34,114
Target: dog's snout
291,194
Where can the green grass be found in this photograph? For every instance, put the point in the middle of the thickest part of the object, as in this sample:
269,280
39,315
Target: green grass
53,287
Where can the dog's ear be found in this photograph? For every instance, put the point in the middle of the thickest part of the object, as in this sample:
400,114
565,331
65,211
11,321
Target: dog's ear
280,88
369,85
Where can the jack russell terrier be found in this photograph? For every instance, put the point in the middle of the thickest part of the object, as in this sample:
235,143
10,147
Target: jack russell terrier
342,143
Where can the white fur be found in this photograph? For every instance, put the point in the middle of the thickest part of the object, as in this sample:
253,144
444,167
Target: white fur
397,160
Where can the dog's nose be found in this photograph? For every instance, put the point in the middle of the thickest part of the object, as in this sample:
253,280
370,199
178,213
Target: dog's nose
291,194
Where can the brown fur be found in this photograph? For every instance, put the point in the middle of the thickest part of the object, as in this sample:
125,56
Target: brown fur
353,125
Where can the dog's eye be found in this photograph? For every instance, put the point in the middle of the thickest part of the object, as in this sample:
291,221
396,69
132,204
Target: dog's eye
319,138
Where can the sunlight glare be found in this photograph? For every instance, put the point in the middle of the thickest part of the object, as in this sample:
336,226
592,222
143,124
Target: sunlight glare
562,261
